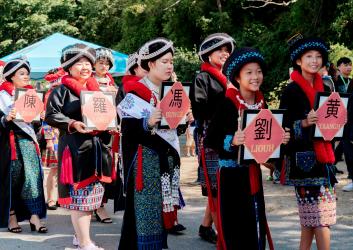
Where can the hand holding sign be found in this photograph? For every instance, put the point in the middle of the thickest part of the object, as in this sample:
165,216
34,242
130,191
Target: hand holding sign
286,136
155,117
80,127
310,120
238,138
11,115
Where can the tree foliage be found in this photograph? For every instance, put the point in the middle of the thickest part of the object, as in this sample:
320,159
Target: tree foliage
126,24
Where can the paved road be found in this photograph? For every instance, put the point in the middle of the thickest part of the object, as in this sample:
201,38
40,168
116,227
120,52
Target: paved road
284,224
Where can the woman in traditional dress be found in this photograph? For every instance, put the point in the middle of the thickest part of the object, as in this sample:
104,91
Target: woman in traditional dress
84,156
240,192
21,174
310,161
104,62
151,160
207,92
50,138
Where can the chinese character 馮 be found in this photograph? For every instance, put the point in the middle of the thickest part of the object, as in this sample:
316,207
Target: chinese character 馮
177,98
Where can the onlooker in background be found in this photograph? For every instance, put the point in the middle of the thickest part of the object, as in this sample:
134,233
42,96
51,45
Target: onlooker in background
344,85
348,135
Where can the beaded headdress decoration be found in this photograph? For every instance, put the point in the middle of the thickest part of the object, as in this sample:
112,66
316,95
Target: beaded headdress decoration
144,52
20,62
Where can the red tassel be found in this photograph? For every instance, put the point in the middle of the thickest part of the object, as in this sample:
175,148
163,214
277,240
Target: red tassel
113,174
169,219
116,140
139,173
13,146
324,152
66,176
254,179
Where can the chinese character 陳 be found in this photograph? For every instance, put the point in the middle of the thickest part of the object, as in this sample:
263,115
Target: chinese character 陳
177,98
332,108
263,127
30,101
99,105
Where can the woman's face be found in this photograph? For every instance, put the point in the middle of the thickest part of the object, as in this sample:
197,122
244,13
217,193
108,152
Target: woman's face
250,77
219,57
102,67
310,62
162,68
20,78
82,69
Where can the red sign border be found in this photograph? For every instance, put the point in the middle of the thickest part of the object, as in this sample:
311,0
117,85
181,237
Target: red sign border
318,96
84,118
17,95
246,112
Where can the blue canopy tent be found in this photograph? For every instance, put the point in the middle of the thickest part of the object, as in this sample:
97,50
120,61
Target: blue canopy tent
45,55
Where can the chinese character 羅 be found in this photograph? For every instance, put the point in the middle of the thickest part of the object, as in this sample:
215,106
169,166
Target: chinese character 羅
99,105
263,127
177,98
332,108
30,101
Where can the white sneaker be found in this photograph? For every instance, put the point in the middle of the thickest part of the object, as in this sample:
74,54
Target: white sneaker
348,187
91,246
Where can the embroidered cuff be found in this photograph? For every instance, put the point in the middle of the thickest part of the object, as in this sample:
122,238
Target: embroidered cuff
229,163
227,143
145,124
298,129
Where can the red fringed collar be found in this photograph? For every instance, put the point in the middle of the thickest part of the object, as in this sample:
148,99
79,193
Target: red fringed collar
234,95
111,79
222,79
75,86
309,91
131,83
10,88
55,76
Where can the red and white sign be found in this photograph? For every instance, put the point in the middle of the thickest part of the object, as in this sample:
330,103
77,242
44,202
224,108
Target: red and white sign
99,110
175,105
263,136
332,116
29,105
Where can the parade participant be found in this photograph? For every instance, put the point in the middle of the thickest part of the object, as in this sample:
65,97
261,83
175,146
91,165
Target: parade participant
206,94
50,136
150,156
240,182
84,156
310,161
103,63
21,175
134,72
